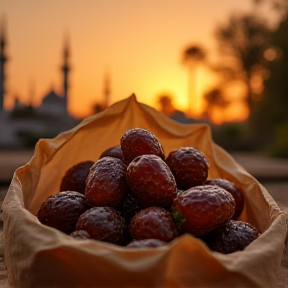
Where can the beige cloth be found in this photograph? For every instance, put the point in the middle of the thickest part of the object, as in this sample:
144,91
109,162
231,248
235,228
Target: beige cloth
40,256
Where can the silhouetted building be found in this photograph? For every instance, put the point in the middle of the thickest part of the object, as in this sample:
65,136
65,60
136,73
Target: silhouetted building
25,124
66,69
107,91
53,104
3,59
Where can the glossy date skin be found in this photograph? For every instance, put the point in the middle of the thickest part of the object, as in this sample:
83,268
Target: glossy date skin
137,141
151,181
132,196
231,237
129,207
61,211
115,152
103,224
189,167
153,223
106,183
75,177
201,209
235,191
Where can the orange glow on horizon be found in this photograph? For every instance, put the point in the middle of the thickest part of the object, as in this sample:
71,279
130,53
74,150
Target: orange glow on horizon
140,44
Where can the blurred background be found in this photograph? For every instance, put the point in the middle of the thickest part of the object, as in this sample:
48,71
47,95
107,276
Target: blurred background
224,63
221,62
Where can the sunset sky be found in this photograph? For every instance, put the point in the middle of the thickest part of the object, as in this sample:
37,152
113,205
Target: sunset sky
139,44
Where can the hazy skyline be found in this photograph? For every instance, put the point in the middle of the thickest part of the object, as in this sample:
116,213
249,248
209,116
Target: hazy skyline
139,44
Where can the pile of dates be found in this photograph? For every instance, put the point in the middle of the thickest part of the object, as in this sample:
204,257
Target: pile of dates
133,196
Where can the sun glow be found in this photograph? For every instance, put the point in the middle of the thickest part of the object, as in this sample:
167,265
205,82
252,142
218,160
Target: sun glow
236,109
140,45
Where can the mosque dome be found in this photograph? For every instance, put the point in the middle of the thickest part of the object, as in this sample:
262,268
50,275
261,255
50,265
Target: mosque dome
53,104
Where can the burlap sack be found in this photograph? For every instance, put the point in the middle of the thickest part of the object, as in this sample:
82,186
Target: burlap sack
40,256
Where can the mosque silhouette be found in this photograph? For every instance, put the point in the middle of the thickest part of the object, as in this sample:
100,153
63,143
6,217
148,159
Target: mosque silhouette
24,124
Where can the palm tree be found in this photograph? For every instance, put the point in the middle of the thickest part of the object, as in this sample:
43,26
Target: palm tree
214,99
243,40
166,105
193,56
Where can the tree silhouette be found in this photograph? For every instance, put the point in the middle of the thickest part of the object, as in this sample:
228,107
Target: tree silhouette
243,40
193,56
272,116
166,105
214,99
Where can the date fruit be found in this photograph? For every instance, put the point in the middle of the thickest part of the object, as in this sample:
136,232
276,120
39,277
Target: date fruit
106,182
151,181
202,209
103,224
115,152
61,211
231,237
75,177
138,141
189,167
235,191
129,207
153,223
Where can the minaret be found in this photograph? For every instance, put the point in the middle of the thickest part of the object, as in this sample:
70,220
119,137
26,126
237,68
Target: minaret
107,91
65,69
3,59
